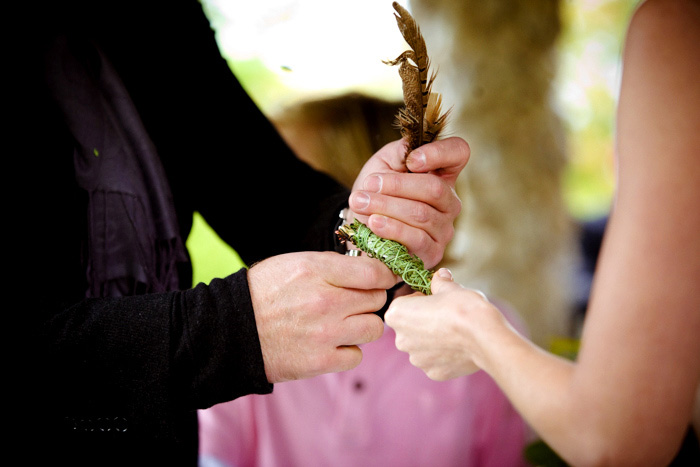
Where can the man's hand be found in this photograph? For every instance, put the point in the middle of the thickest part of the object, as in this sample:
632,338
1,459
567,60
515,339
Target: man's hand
417,209
313,309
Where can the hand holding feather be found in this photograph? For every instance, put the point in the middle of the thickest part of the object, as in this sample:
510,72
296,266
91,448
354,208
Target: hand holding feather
416,208
405,193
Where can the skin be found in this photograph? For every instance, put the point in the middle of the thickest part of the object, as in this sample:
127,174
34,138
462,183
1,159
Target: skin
313,309
416,209
628,398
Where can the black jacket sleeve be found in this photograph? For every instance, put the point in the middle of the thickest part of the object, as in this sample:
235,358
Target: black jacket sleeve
143,359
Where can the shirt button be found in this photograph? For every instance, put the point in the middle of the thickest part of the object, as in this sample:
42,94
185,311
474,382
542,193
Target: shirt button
358,386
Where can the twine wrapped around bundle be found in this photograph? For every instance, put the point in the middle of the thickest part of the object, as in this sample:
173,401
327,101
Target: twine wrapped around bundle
393,254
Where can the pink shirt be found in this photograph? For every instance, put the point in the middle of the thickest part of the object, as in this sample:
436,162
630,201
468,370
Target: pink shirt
385,412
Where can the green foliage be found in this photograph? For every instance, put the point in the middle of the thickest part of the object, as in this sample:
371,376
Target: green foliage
211,257
393,254
590,50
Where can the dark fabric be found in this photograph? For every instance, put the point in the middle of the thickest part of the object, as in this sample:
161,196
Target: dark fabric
132,397
117,380
134,243
689,453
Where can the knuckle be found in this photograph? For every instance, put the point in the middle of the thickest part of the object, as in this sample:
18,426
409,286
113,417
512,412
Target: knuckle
421,213
377,327
415,361
374,299
381,295
423,241
437,190
401,344
449,233
375,273
437,374
466,149
392,316
320,333
321,303
349,358
445,234
432,256
304,266
372,329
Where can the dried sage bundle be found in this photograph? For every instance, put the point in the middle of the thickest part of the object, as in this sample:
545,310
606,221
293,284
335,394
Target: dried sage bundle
393,254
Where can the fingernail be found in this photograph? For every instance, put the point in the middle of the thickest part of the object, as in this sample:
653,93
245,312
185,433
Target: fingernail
417,160
378,222
360,201
373,183
445,273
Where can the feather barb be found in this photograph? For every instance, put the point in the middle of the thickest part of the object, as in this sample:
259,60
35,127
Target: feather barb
421,119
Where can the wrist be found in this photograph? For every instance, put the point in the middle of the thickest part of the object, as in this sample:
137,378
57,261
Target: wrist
492,334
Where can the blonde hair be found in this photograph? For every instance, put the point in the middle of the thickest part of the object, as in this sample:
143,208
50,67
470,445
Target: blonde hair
338,134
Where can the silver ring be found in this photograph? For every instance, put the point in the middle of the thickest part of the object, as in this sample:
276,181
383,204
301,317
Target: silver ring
353,252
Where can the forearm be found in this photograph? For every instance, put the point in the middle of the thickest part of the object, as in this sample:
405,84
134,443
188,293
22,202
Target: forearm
608,408
537,383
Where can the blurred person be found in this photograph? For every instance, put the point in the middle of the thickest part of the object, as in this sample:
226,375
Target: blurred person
338,134
385,411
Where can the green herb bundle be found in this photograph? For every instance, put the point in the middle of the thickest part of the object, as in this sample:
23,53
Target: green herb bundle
393,254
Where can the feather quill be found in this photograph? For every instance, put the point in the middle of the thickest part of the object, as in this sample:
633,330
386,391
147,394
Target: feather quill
421,119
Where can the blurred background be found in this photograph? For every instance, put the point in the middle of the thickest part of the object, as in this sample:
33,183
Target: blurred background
510,70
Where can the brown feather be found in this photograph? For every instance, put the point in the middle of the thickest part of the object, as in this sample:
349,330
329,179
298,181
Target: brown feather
434,119
420,121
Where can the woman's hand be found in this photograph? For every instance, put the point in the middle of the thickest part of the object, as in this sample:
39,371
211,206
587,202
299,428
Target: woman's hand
440,332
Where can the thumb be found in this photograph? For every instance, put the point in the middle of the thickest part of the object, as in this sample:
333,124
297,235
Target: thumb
442,281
